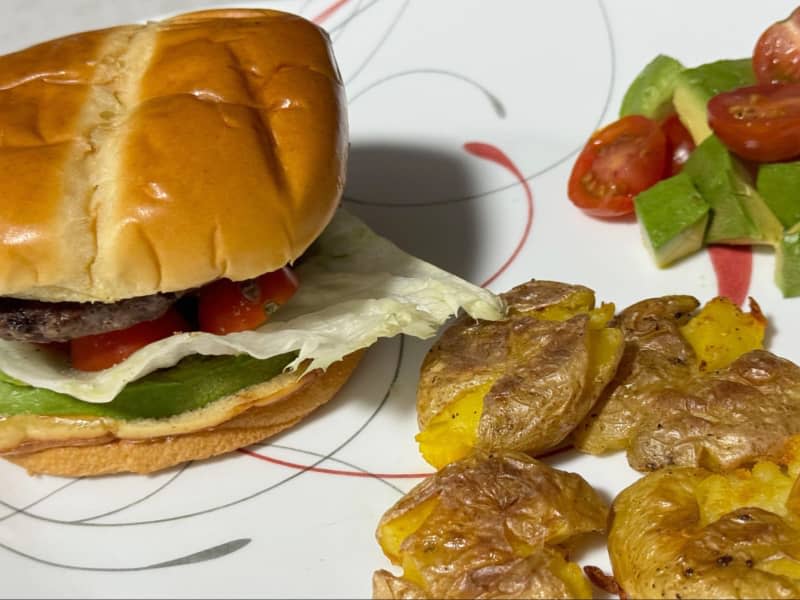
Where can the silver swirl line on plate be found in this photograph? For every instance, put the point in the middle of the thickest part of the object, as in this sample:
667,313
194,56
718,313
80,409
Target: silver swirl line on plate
496,103
380,43
211,553
25,509
556,163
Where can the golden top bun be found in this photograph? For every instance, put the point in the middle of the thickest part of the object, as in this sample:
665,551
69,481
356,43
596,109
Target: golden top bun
158,157
268,408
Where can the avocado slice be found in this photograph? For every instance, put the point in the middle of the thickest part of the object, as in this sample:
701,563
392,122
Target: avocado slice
787,262
739,214
672,216
193,383
779,185
650,94
695,87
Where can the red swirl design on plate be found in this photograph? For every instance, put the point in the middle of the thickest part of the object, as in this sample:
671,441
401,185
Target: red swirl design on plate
291,465
329,11
494,154
733,266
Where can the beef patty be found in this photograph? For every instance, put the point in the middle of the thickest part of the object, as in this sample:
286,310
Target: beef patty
42,322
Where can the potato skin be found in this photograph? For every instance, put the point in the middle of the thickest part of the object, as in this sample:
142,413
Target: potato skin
497,530
723,419
659,547
666,411
537,369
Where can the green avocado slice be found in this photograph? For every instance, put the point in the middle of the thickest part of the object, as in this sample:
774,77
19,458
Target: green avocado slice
787,263
695,87
739,214
779,185
193,383
673,216
650,94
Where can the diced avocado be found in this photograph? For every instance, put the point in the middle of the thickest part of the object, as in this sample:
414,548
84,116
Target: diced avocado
779,185
695,87
739,214
673,217
787,262
650,94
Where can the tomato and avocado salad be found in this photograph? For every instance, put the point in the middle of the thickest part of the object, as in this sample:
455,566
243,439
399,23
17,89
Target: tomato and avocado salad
619,161
706,155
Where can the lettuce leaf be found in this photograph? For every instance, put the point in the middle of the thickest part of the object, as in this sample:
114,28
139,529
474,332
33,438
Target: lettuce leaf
355,287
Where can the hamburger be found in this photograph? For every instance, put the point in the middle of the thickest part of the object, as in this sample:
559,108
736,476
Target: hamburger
177,278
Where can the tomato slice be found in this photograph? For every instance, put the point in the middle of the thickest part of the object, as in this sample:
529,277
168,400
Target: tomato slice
619,161
104,350
227,306
679,144
760,123
776,57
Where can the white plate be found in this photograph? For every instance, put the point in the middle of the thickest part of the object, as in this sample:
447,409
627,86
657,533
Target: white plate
452,104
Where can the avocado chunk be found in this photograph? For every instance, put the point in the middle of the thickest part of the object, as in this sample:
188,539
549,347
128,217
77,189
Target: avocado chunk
779,185
787,262
672,216
650,94
739,214
695,87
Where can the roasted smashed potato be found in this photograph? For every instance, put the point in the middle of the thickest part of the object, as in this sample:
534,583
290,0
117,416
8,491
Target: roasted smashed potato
523,383
489,526
690,533
693,391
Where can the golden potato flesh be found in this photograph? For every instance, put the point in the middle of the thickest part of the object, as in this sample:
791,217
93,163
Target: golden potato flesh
519,384
666,406
489,526
690,533
721,332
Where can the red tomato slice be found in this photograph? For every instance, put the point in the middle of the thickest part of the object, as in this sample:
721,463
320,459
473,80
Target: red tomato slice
227,306
776,57
619,161
679,144
760,123
97,352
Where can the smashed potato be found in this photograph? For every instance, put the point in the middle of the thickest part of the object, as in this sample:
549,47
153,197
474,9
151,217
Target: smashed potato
666,408
655,355
690,533
489,526
723,419
523,383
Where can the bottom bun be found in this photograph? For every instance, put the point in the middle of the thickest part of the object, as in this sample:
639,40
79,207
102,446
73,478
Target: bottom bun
276,411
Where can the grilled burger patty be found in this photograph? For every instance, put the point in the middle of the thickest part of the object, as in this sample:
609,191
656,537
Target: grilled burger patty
43,322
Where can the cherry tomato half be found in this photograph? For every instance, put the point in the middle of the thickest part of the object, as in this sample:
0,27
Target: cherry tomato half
776,57
760,123
227,306
97,352
619,161
679,144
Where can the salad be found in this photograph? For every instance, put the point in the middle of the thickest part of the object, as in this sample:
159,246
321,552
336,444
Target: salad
706,155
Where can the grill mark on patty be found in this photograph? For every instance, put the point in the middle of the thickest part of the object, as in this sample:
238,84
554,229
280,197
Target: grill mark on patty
44,322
